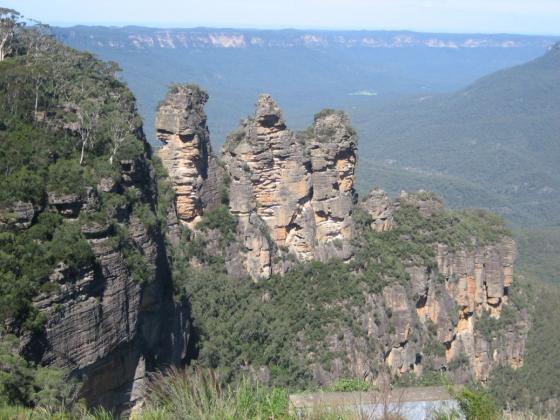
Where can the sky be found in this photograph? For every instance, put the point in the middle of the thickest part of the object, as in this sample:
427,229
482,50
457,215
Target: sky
482,16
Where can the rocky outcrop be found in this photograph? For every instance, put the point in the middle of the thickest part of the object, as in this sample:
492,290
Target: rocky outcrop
332,146
478,281
381,210
18,215
186,153
300,189
108,329
470,284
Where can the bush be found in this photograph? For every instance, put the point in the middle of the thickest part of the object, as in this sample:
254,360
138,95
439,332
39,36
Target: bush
350,385
220,219
23,384
66,176
476,405
22,185
69,246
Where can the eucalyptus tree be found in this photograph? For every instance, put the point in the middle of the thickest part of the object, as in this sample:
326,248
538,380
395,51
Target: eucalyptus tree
10,21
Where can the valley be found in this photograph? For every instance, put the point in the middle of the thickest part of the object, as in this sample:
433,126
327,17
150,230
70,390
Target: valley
279,212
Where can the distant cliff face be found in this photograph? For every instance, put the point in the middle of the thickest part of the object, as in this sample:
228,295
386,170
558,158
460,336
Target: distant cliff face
201,38
300,186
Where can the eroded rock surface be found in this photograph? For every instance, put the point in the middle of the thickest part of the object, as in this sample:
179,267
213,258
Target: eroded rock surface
299,188
186,153
471,284
101,324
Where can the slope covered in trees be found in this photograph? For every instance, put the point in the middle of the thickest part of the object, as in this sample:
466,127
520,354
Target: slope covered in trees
497,140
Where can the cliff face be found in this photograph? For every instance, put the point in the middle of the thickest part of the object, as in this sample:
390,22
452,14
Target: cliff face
471,285
105,327
299,187
186,153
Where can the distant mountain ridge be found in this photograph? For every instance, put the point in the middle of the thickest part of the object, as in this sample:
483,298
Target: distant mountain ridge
198,38
304,70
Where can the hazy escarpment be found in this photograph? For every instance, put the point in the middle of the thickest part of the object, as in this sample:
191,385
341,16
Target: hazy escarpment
211,38
85,283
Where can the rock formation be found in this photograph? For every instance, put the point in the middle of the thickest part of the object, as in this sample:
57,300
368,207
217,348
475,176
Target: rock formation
293,195
381,209
186,153
103,326
300,187
473,284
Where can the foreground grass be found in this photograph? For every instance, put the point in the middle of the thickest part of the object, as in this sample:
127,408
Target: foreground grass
183,395
198,395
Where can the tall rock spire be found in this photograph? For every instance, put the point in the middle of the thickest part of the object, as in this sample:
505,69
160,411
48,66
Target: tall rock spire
181,125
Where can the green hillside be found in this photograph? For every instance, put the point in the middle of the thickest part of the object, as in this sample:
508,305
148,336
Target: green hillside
500,136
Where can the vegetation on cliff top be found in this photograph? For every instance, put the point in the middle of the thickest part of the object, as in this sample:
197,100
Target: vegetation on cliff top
66,124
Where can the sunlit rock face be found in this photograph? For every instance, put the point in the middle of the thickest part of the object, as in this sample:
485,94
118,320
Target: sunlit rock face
472,283
293,197
299,187
186,153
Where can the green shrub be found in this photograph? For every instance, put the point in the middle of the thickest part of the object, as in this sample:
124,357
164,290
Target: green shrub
76,255
221,219
16,377
143,212
459,362
66,176
476,405
350,385
23,384
22,185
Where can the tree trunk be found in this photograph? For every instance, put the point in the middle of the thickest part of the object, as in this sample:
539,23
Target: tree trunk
36,101
83,152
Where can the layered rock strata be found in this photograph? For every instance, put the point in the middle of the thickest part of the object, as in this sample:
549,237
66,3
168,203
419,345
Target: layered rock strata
101,325
300,188
293,196
186,153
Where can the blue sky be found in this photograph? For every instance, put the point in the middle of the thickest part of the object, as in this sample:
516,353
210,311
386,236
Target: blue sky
492,16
